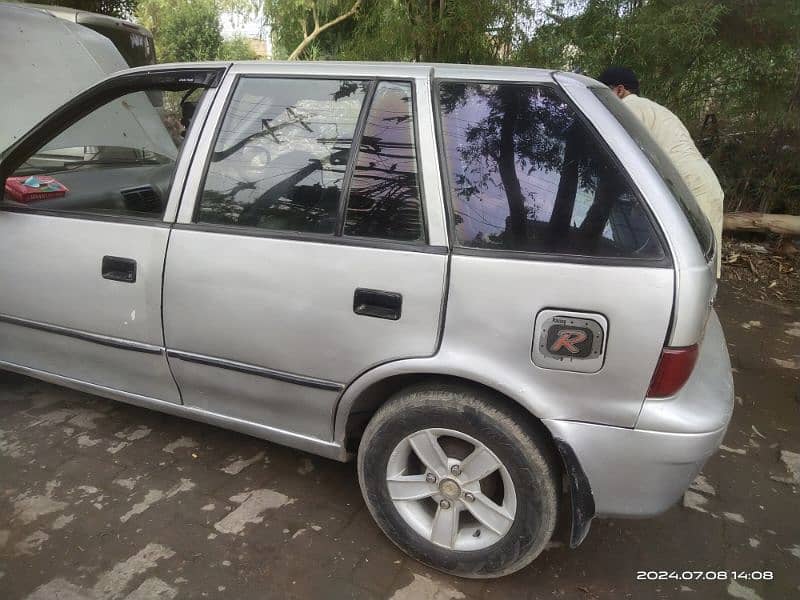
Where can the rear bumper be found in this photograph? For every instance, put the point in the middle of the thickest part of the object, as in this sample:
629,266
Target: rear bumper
636,473
643,471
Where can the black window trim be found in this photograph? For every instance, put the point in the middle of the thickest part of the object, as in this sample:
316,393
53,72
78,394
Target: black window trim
318,238
355,150
420,183
337,237
74,110
664,262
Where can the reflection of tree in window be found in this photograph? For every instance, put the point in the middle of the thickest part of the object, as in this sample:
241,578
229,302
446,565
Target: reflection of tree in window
527,175
281,154
384,197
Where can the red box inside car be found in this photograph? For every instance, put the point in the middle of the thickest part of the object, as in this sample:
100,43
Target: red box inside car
34,187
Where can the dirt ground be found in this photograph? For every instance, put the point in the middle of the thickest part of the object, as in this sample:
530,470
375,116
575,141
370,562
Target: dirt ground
100,500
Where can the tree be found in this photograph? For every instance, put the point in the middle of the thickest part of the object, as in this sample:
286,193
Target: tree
420,30
729,69
465,31
297,24
189,30
236,48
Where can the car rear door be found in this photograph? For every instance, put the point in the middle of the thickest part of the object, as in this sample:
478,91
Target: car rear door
306,258
82,263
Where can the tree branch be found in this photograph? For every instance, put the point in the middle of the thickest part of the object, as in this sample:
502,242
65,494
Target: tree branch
318,29
750,221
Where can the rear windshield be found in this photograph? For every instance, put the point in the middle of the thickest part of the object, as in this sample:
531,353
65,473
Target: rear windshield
662,163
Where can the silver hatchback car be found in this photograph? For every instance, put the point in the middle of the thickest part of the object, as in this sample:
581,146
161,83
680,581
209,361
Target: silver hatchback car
487,284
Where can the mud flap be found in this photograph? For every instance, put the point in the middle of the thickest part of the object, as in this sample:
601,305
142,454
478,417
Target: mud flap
581,498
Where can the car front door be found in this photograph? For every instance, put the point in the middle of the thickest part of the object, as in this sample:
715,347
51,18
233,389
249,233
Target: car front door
305,260
85,219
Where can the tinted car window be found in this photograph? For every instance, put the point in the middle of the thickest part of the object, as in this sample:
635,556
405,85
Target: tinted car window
117,161
281,154
527,175
384,199
662,163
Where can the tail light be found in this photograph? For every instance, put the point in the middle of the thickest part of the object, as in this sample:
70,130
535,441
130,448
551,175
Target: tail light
672,371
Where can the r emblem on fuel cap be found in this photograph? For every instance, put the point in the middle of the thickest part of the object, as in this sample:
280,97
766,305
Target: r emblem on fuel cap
569,341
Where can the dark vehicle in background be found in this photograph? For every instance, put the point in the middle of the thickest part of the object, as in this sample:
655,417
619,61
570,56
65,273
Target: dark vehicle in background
134,42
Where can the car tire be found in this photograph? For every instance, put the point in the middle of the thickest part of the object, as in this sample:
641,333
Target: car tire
429,504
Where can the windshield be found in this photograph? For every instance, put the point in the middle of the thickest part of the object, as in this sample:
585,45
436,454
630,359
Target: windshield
129,131
663,164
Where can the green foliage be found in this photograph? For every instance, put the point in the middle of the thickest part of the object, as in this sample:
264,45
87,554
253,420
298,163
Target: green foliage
186,30
189,30
421,30
236,48
728,68
291,20
115,8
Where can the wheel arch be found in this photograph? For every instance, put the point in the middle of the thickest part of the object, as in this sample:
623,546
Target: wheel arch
368,393
365,394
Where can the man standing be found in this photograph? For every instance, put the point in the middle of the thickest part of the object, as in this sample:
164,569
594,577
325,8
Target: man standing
672,136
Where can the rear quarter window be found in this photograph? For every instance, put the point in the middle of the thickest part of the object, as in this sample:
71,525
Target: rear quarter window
527,175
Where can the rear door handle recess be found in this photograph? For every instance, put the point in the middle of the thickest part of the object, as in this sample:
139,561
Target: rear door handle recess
377,303
119,269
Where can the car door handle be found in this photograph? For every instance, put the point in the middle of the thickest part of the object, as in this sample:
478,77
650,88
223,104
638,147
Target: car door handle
377,303
116,268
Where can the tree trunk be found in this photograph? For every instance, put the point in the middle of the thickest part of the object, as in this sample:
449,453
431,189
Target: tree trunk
507,166
558,229
752,221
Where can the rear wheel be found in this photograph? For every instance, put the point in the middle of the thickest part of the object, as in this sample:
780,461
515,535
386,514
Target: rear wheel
456,481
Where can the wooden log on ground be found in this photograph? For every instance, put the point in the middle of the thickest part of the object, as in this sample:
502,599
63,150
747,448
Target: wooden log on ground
753,221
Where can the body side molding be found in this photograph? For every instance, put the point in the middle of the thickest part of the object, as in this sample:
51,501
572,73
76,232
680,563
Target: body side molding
97,338
232,365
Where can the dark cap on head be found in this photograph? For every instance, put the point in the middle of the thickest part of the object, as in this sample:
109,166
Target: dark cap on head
624,76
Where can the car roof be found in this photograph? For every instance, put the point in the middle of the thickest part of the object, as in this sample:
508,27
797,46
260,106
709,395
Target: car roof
375,69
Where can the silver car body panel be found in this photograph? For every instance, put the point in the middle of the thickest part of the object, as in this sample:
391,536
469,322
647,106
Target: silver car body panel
287,305
62,287
655,462
261,336
489,328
